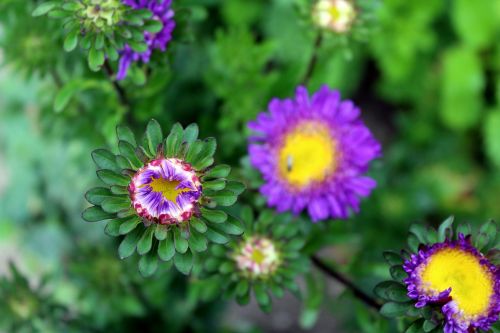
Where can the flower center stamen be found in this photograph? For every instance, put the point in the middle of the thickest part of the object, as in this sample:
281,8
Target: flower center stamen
471,283
167,188
307,155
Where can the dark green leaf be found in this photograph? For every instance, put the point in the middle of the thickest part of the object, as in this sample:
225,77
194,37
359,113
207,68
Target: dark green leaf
112,178
95,214
44,8
97,195
174,141
148,264
218,171
146,241
191,134
184,262
166,249
154,135
128,150
124,133
129,243
129,224
181,244
105,159
116,204
214,216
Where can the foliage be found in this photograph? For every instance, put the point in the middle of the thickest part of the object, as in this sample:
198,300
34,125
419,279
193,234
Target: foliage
426,74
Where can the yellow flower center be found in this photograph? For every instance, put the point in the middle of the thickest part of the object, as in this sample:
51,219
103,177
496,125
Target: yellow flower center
257,256
472,284
167,188
308,154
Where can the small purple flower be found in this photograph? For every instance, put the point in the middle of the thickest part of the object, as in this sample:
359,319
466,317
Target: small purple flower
165,191
456,276
313,153
163,12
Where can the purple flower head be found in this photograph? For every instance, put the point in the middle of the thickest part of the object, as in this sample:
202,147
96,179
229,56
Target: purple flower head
456,276
313,153
163,12
165,191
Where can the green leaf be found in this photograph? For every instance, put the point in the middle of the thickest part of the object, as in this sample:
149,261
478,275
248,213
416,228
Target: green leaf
491,136
105,159
208,147
129,243
231,227
392,309
138,47
429,325
198,224
112,178
181,244
71,40
216,236
261,295
161,232
153,26
148,264
128,150
193,151
129,224
184,262
476,22
391,291
115,204
191,134
218,171
124,133
415,327
197,241
224,198
112,227
44,8
122,162
214,185
242,288
95,214
445,229
146,241
96,59
154,135
420,232
214,216
174,141
398,273
392,258
97,195
166,249
461,88
236,187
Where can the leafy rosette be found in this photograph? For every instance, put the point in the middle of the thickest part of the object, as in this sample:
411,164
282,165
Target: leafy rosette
104,28
448,281
162,196
265,261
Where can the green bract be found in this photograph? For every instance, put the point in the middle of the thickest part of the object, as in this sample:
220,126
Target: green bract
266,260
173,242
102,27
429,314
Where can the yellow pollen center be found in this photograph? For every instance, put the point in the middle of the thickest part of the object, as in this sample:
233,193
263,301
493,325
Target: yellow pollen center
308,154
257,256
471,283
167,188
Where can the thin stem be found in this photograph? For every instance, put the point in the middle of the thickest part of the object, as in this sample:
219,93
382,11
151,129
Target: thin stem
360,294
313,60
122,95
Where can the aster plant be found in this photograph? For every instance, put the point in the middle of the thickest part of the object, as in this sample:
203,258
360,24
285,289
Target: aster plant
159,40
313,153
448,281
103,27
162,196
265,261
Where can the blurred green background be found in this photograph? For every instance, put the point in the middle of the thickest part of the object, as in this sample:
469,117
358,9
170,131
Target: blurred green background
427,76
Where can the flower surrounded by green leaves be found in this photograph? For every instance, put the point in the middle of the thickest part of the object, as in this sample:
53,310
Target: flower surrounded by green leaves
266,260
103,27
448,281
162,196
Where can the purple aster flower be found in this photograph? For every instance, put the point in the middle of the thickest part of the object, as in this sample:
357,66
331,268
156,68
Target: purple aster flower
458,277
165,191
313,153
163,12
